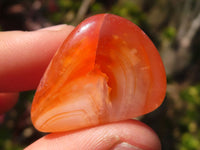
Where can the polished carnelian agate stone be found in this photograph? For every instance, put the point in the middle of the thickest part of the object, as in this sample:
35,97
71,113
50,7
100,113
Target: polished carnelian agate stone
106,70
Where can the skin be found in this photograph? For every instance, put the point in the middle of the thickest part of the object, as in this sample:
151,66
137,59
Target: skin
7,101
24,57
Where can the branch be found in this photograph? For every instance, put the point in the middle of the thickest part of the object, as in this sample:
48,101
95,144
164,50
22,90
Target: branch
184,19
183,55
196,8
187,39
189,25
82,11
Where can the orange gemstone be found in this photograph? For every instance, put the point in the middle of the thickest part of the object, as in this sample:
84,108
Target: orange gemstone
106,70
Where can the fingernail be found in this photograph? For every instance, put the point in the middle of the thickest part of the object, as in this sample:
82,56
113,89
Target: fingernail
125,146
54,28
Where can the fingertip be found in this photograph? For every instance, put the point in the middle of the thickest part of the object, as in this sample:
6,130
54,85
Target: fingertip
130,133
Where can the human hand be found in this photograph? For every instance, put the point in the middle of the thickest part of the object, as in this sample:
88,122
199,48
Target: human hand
24,57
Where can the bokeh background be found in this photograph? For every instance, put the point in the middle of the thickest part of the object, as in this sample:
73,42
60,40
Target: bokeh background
174,27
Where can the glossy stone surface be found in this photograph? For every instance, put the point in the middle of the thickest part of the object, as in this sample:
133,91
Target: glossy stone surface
106,70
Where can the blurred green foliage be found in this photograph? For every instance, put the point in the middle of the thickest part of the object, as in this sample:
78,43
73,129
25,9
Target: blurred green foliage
64,12
176,122
129,10
189,122
169,33
97,8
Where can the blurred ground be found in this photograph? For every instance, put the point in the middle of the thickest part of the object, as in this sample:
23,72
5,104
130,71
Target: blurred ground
174,27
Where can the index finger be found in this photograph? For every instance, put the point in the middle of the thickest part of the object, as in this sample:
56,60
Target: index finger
24,56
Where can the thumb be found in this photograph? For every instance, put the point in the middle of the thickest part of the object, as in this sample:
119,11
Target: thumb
124,135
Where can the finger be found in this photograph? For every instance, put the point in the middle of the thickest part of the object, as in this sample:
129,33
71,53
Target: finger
126,135
7,101
1,118
25,56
